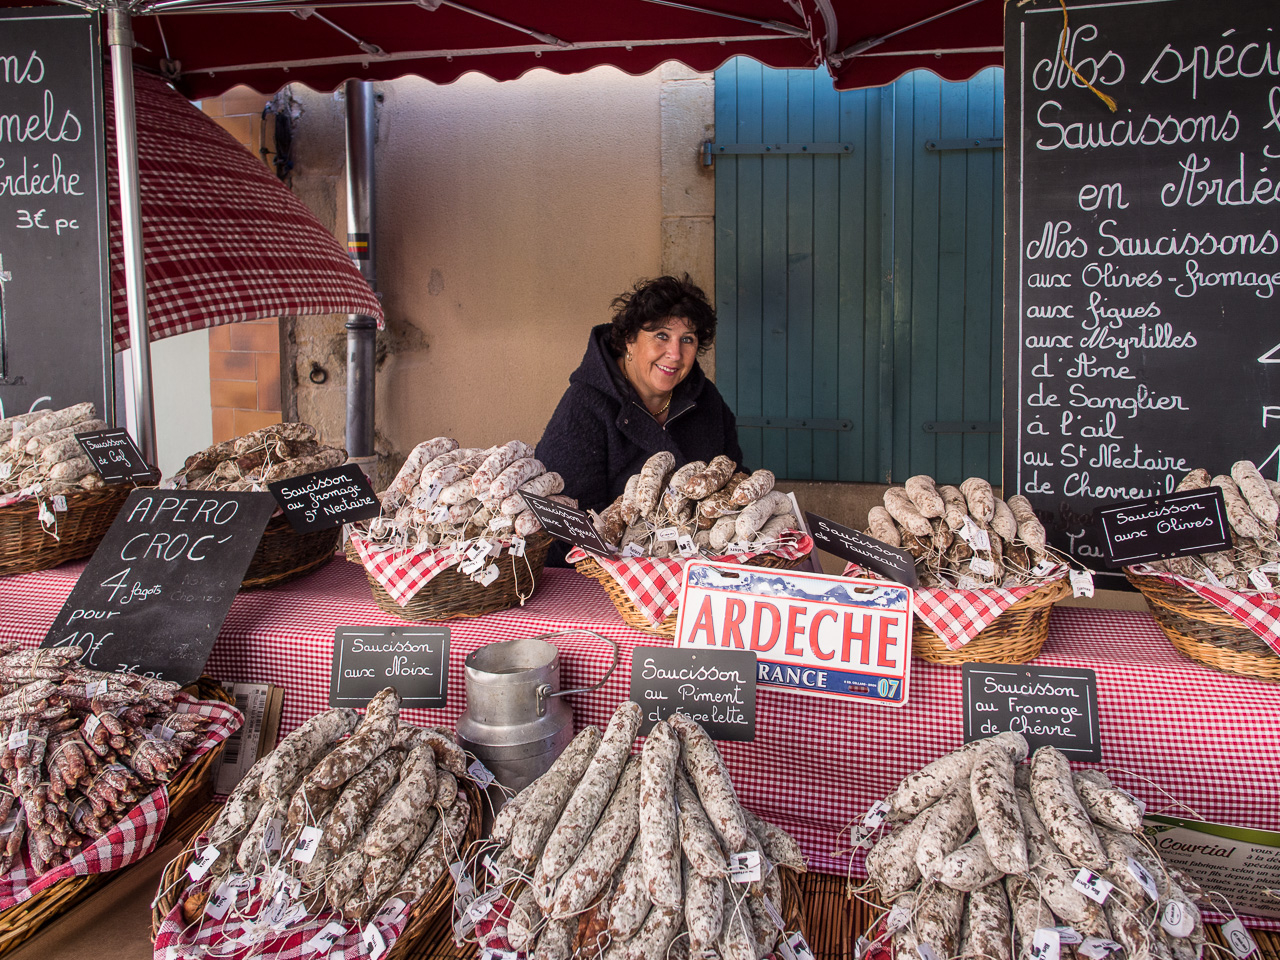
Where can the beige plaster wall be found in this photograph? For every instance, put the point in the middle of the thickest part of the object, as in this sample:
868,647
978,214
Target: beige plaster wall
509,215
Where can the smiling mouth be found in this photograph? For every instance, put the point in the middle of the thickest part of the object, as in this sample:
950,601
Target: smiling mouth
669,371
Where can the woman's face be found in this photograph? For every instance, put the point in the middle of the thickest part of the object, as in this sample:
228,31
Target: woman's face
663,357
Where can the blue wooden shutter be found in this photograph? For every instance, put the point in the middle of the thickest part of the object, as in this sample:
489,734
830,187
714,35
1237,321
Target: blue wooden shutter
858,292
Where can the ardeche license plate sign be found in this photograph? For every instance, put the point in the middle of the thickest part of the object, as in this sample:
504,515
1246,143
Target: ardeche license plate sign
821,635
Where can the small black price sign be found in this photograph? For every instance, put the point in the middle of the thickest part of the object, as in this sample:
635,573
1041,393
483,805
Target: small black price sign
848,544
413,659
115,456
566,523
327,498
1050,706
1177,525
715,687
155,593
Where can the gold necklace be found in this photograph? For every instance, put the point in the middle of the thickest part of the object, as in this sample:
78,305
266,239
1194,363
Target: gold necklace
664,406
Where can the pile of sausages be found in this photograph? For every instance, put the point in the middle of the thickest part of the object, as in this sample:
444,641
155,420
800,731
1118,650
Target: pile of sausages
40,448
80,748
989,854
1253,507
964,536
267,455
446,493
640,846
347,812
703,508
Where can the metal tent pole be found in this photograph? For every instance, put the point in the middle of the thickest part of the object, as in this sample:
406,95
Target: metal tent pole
361,330
120,39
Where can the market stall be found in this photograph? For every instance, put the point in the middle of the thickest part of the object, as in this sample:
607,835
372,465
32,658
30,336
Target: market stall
1173,731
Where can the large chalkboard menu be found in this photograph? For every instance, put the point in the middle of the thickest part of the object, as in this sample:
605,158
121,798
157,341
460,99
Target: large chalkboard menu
1142,257
55,329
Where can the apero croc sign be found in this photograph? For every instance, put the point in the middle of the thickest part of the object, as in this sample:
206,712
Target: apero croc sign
822,635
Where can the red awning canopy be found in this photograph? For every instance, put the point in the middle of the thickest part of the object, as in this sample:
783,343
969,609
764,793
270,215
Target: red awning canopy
223,240
208,46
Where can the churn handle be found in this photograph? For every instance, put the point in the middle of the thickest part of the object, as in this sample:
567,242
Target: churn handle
617,655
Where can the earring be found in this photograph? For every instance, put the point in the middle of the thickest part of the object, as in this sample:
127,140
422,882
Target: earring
629,355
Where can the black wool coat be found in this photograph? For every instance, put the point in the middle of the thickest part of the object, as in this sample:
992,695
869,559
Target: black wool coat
601,432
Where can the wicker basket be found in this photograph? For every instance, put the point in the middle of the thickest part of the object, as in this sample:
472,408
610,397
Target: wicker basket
24,545
452,595
435,901
1016,636
284,553
1203,632
631,614
188,792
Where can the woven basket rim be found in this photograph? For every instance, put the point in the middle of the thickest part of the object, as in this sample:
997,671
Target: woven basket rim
1016,636
26,548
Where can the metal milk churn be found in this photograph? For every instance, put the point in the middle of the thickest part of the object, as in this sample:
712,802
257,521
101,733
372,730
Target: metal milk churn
517,721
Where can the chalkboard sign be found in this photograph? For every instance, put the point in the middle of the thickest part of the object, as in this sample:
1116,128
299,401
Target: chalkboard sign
153,596
1194,521
863,550
566,523
327,498
116,457
1141,281
715,687
413,659
55,312
1050,706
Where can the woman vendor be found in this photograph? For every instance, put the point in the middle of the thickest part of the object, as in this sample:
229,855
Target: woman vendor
639,390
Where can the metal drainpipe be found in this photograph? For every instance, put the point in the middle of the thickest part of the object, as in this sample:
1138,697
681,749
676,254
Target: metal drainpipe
361,329
120,40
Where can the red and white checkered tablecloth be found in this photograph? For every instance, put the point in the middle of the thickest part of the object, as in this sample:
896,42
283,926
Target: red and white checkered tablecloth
653,583
1256,610
1172,729
957,616
133,837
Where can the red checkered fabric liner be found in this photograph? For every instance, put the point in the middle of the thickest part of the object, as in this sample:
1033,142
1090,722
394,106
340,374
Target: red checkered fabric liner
957,616
223,240
244,932
1172,730
403,573
653,584
133,837
1256,610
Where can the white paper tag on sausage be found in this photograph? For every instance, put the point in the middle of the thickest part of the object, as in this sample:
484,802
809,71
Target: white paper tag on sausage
304,851
59,504
876,815
633,549
1212,578
799,946
1068,936
686,545
6,470
735,548
487,575
480,774
1081,583
1043,568
461,881
1092,886
432,493
95,689
271,838
1142,804
1045,944
517,546
744,867
668,533
1095,948
492,953
982,567
46,515
974,536
899,917
1144,878
219,903
200,866
482,905
371,940
19,738
438,514
500,523
773,913
1238,939
926,952
323,941
1260,581
1177,919
469,567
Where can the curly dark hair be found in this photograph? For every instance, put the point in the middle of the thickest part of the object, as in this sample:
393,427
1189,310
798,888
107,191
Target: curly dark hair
650,303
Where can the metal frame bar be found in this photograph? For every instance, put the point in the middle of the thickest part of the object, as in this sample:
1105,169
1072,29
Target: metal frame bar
862,46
